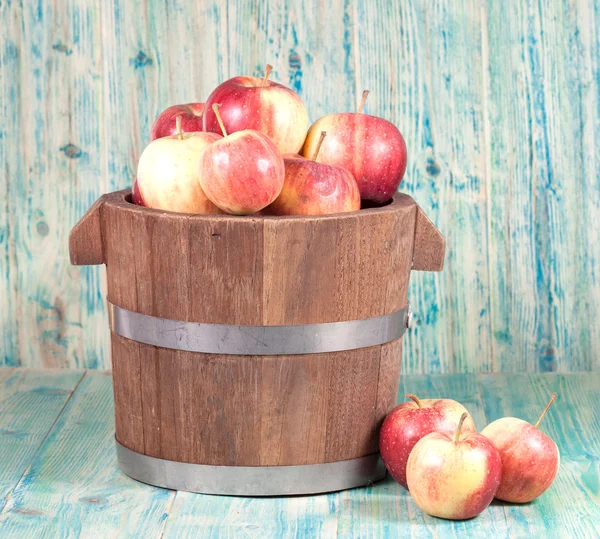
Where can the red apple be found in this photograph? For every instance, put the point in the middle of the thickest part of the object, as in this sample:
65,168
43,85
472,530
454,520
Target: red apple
165,123
530,459
371,148
261,105
406,424
241,173
311,188
136,196
454,476
167,174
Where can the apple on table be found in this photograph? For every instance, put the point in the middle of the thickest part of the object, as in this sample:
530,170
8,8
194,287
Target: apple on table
261,105
167,173
241,173
530,458
406,424
454,475
371,148
312,188
165,124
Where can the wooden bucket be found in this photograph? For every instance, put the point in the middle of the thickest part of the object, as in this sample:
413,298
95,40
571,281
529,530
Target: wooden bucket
255,355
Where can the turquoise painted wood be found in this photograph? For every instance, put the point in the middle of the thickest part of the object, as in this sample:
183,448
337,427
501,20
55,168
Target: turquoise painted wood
69,485
30,402
499,104
574,423
542,93
387,510
72,488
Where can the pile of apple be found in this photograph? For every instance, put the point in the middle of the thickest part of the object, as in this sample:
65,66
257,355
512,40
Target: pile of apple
431,447
248,150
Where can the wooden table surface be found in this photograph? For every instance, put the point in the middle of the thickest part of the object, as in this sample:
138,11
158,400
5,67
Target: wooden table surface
59,477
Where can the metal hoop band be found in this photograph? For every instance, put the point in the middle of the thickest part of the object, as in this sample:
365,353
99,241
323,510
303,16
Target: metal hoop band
251,480
258,340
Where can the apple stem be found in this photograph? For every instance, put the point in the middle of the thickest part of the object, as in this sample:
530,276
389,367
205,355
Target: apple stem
318,148
552,399
178,127
414,397
215,108
460,424
267,73
362,101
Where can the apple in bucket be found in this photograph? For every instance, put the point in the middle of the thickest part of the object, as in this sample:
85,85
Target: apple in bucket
406,424
312,188
371,148
241,173
454,475
530,458
261,105
165,124
136,196
167,174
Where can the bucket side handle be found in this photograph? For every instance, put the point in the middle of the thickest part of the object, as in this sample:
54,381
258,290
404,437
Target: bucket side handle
85,239
429,247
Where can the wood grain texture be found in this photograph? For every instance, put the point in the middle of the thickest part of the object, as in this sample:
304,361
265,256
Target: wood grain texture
339,262
573,422
85,239
543,96
53,147
314,54
387,510
72,487
128,365
30,403
252,410
203,408
430,246
294,409
10,107
217,517
498,103
575,418
390,366
415,71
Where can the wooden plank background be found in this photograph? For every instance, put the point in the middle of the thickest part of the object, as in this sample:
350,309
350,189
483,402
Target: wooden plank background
499,103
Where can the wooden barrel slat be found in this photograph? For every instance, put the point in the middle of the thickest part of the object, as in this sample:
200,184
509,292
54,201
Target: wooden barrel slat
401,247
352,401
229,410
129,416
296,398
255,410
239,410
256,271
226,281
390,363
151,392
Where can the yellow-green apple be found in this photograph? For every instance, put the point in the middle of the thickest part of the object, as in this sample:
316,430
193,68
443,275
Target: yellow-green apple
261,105
136,196
311,188
406,424
530,459
165,123
371,148
241,173
454,475
167,174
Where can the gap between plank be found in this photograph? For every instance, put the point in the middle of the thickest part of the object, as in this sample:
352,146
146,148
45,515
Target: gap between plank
485,82
480,399
28,467
168,512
